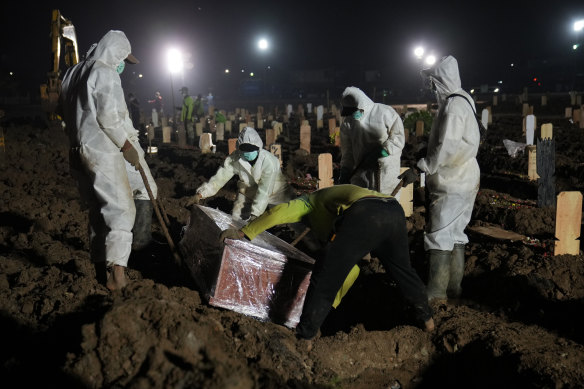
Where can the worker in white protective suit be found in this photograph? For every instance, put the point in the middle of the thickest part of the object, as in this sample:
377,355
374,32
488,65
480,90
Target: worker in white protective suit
261,182
104,156
372,139
452,179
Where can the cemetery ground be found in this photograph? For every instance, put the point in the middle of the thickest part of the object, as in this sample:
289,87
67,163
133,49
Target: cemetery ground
519,323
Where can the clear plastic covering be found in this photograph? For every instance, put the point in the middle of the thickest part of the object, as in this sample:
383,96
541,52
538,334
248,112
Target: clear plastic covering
266,278
513,148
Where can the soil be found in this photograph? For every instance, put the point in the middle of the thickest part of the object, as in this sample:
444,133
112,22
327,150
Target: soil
518,324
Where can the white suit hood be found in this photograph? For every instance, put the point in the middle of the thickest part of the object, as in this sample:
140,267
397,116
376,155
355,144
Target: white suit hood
355,97
112,49
250,136
445,76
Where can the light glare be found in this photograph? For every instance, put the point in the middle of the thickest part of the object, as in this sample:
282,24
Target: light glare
579,25
175,60
430,60
419,52
263,44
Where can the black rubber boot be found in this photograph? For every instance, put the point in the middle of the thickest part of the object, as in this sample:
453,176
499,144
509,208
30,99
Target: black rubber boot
438,274
142,231
454,289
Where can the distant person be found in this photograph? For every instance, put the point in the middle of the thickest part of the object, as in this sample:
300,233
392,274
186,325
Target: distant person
105,155
199,108
208,102
186,115
351,221
157,109
134,107
260,183
372,139
452,179
219,117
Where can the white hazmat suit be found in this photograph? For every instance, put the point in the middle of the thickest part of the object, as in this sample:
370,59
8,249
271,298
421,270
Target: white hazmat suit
363,140
98,125
259,185
452,171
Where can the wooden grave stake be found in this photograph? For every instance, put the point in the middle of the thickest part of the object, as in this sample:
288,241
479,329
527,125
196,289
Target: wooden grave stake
568,223
495,100
568,112
277,129
332,123
166,130
242,126
220,132
485,117
529,129
228,126
237,111
260,123
525,110
250,124
182,136
198,129
232,117
206,142
547,131
319,124
305,123
276,149
572,97
543,101
406,196
546,170
270,138
211,111
420,128
576,115
305,138
231,145
325,170
532,163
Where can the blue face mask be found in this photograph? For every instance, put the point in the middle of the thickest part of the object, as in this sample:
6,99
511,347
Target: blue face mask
250,155
357,115
121,67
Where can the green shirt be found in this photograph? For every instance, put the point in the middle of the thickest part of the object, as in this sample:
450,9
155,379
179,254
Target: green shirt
187,109
318,210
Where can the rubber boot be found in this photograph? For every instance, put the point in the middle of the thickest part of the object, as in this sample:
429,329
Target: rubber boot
438,274
142,231
454,289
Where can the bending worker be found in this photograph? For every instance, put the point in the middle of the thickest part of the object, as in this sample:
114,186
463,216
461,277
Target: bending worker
452,178
355,221
261,181
105,155
372,139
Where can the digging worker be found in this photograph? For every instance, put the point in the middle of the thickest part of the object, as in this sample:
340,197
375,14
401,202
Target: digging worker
355,221
186,115
261,181
372,139
105,155
452,178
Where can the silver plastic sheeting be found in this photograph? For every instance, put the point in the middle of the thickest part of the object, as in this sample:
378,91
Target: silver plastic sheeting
266,278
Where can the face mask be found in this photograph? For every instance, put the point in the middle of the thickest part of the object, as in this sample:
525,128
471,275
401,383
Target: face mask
357,115
250,155
121,67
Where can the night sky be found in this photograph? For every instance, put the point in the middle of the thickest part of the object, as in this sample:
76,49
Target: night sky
486,37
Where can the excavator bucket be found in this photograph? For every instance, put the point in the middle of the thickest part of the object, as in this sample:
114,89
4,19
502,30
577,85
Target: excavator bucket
266,278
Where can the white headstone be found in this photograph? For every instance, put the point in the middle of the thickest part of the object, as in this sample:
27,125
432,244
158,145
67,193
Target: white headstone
529,128
485,117
288,110
319,112
308,107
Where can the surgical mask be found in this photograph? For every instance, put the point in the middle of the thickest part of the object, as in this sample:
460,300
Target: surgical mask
357,115
250,155
121,67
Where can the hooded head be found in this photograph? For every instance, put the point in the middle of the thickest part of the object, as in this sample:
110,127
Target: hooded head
184,90
354,98
445,76
113,48
249,136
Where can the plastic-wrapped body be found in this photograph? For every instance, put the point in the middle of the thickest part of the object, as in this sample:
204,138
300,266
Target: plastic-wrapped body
266,279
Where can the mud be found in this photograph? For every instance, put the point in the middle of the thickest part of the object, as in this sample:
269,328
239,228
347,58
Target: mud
518,324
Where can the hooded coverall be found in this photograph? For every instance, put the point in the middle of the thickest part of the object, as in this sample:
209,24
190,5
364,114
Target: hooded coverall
452,171
259,184
362,221
98,125
186,116
363,140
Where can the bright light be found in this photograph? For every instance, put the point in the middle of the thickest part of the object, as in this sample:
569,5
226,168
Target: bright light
12,74
226,70
243,70
430,60
512,64
263,44
496,90
251,74
471,91
140,75
575,47
579,25
419,52
174,59
500,82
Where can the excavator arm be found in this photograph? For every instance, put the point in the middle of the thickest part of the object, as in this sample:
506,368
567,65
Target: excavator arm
63,44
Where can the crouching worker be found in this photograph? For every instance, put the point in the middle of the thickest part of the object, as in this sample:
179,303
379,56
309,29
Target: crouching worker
354,221
261,182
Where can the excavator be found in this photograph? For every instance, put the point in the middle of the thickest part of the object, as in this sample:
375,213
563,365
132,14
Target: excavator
63,43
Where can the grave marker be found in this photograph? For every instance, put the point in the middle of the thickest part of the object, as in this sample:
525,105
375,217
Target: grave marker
220,132
166,134
206,143
419,128
182,136
305,138
319,112
276,149
485,118
576,113
532,163
529,128
495,100
579,100
568,223
547,131
277,129
525,110
406,196
546,170
198,129
231,145
242,126
490,115
319,124
568,112
543,101
260,124
228,126
305,123
325,170
332,123
270,138
572,97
